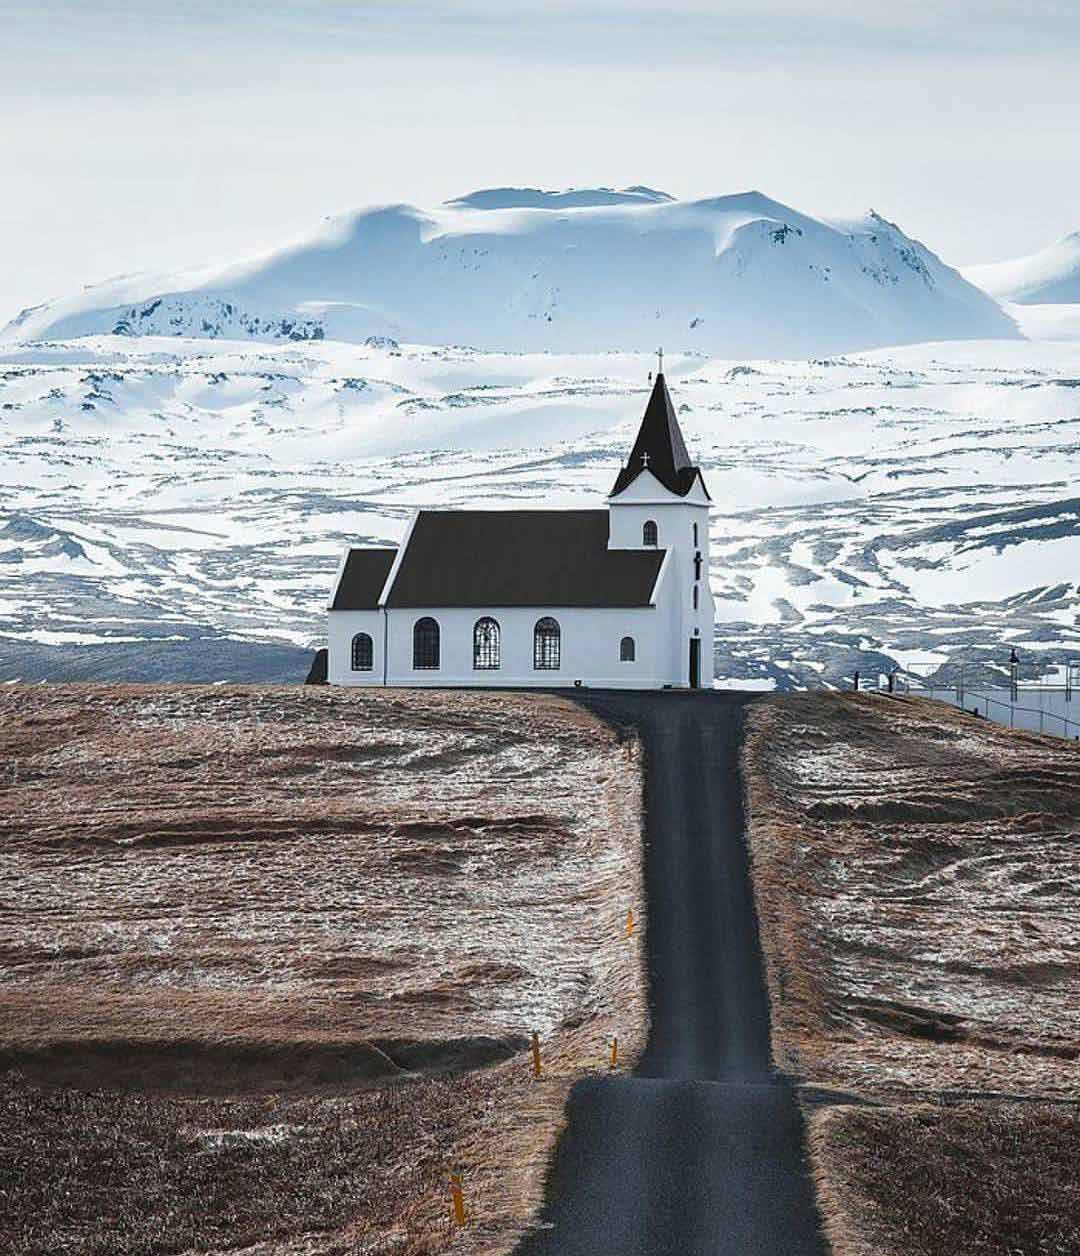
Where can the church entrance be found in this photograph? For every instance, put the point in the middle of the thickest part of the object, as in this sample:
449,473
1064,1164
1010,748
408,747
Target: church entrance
695,662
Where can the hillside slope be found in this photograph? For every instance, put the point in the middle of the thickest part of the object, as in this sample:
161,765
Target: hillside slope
271,958
917,874
524,270
1049,277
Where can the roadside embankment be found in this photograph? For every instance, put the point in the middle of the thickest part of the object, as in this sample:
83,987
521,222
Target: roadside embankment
917,875
273,956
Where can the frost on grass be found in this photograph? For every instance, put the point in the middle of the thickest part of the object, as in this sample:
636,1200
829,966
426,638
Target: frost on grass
240,910
918,882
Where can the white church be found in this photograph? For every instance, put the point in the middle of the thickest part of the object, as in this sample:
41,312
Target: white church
611,598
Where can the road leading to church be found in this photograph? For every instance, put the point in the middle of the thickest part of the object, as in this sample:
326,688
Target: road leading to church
701,1151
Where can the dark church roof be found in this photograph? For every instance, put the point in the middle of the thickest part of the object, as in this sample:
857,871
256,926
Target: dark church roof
362,579
501,558
660,447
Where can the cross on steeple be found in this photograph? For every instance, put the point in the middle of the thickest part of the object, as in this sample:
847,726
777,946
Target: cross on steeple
660,355
644,457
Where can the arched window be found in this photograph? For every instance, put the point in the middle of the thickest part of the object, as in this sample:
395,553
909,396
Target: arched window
695,597
547,645
648,533
695,536
363,653
425,644
626,650
485,645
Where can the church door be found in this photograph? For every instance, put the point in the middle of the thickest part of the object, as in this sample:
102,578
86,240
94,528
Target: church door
695,662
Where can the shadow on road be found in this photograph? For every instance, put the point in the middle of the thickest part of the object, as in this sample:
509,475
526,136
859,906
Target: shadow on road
702,1149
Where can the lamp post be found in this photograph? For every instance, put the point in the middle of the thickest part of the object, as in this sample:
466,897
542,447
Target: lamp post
1014,673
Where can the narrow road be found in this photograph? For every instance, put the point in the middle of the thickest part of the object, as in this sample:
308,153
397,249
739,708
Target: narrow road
701,1150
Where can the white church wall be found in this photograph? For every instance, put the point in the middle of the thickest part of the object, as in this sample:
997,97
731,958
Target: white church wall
673,647
645,487
589,648
645,499
342,627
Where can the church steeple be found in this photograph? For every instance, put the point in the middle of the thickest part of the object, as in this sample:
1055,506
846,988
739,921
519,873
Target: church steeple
660,447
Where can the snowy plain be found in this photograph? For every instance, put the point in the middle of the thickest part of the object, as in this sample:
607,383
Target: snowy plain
899,505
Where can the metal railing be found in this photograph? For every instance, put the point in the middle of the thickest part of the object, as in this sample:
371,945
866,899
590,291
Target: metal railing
1003,710
1067,727
1008,709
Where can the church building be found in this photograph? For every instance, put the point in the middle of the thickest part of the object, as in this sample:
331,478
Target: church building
613,598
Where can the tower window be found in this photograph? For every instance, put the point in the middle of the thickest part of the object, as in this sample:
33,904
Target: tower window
648,533
425,644
485,645
695,597
695,535
363,653
547,645
626,650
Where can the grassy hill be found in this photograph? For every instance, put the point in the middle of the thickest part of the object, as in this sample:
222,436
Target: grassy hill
918,873
272,957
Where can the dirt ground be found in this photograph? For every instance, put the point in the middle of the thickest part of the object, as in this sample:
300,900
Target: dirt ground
280,951
917,874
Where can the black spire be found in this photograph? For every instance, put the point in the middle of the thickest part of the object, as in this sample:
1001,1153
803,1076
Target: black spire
660,447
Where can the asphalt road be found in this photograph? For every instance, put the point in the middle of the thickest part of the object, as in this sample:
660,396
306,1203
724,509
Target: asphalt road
701,1150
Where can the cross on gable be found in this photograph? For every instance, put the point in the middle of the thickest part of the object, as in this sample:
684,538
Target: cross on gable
644,457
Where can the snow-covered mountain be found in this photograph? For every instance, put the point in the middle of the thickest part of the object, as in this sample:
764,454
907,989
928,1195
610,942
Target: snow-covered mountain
177,508
1049,277
526,270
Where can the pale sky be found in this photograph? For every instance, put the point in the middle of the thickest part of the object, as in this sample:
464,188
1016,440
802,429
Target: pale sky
140,134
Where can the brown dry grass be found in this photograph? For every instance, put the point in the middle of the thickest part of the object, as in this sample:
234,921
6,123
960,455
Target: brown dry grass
980,1179
918,881
214,895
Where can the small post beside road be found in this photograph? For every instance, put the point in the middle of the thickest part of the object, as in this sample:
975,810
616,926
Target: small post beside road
457,1199
536,1054
629,922
614,1053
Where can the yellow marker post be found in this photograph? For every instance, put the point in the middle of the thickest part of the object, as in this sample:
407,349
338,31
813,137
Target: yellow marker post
614,1053
536,1053
629,922
456,1197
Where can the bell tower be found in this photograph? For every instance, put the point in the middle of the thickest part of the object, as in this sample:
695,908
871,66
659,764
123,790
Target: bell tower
659,500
